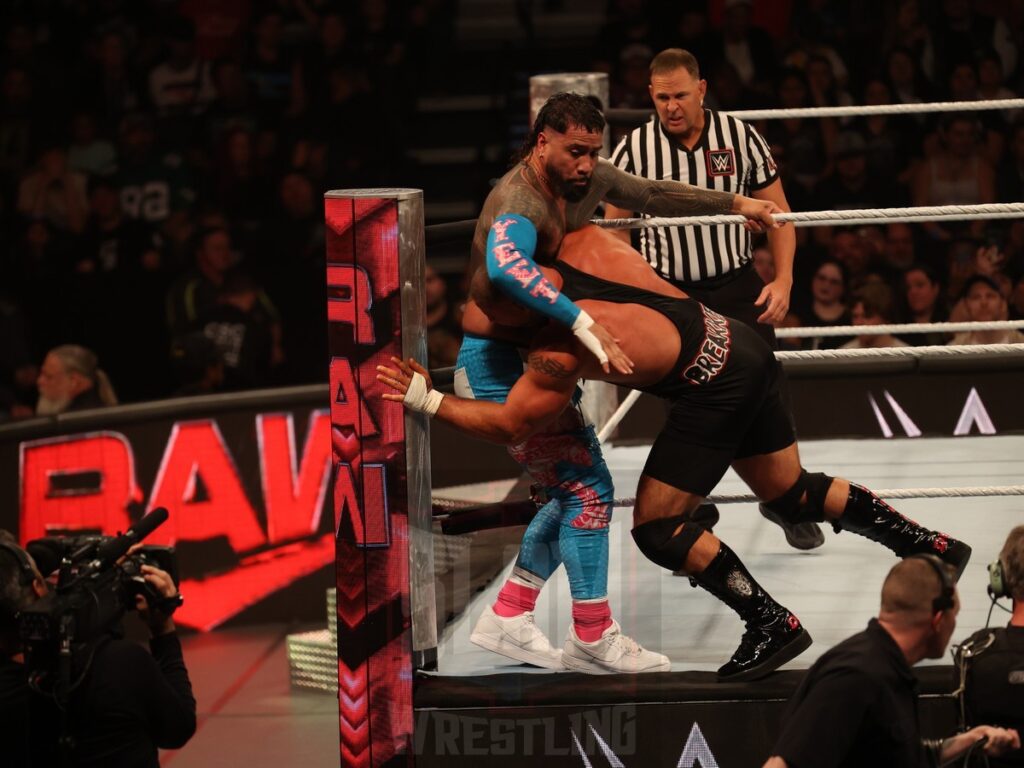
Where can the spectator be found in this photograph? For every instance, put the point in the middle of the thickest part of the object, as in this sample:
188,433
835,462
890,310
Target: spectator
71,380
851,249
806,145
54,193
89,154
827,305
957,174
747,47
273,73
155,186
857,705
899,247
990,663
444,329
960,31
181,86
1017,300
196,291
197,365
247,331
850,186
925,304
107,85
984,303
869,310
1010,181
906,81
891,143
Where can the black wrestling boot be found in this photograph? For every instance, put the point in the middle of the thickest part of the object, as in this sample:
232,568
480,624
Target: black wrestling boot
798,535
871,517
773,635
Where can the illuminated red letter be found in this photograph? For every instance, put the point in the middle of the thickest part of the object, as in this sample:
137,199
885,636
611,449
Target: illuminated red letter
78,481
369,519
201,488
351,304
347,406
294,500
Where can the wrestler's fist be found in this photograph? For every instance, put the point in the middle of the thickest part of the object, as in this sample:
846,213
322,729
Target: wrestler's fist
757,212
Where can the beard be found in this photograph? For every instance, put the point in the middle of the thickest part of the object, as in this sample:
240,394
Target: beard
574,192
47,406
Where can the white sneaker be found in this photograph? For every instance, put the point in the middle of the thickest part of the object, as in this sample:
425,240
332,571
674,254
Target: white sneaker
614,652
516,637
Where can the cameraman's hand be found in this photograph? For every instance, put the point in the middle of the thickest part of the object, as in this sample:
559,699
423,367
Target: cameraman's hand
161,582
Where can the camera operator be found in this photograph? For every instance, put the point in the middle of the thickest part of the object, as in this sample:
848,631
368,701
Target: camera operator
990,663
128,702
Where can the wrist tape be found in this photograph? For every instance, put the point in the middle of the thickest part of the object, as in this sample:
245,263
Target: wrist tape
420,399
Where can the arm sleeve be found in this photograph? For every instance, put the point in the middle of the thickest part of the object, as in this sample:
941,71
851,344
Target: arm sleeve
511,244
173,705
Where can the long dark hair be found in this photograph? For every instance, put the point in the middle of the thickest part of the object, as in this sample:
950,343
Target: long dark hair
561,111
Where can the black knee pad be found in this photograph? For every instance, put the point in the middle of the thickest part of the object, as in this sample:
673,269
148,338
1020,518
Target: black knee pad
660,544
788,506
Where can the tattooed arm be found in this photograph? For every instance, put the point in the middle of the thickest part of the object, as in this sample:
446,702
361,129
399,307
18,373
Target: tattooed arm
509,257
673,198
537,398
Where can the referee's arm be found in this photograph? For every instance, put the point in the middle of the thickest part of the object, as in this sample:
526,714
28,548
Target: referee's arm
782,243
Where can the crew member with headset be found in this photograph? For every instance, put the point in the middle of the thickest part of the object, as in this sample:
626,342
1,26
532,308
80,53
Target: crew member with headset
857,705
990,663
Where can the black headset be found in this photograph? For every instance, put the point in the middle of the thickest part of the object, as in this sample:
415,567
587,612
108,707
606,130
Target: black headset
945,599
997,583
27,570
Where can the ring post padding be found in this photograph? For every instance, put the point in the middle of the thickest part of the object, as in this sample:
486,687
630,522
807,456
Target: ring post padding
542,87
381,468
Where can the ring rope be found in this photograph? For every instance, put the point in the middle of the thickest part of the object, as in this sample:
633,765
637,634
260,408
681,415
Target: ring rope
832,218
887,493
930,351
965,350
855,110
877,330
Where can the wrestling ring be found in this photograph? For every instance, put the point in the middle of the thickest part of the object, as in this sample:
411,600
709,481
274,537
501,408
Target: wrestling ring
965,486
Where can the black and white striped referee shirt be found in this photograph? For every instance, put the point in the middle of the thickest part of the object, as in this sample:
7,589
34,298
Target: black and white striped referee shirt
730,157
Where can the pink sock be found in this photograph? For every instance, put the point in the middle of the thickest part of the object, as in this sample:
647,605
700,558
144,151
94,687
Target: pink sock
515,598
590,618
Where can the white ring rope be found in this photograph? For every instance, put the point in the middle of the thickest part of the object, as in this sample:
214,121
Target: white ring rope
930,351
878,330
964,350
887,493
878,109
835,218
855,110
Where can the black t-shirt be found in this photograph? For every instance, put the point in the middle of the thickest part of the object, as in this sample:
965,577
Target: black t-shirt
131,702
994,693
857,706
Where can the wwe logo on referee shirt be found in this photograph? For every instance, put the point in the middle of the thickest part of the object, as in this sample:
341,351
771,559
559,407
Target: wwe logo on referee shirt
721,162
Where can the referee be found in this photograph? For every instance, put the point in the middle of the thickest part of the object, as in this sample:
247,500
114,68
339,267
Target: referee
686,142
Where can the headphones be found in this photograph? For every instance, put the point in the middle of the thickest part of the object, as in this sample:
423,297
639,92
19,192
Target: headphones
997,586
27,571
945,599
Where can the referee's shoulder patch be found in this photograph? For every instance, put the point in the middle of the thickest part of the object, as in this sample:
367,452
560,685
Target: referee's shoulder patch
721,162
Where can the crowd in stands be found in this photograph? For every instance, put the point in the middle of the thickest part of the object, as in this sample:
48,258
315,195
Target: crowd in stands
816,53
162,164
